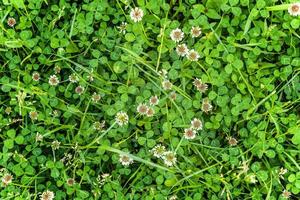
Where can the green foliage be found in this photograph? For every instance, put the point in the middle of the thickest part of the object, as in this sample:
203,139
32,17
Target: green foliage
72,71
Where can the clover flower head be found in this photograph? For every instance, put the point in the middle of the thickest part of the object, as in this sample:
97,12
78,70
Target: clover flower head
47,195
36,76
169,158
53,80
142,109
122,118
11,22
136,14
158,151
196,31
6,179
196,124
182,50
153,101
189,133
193,55
177,35
294,9
125,160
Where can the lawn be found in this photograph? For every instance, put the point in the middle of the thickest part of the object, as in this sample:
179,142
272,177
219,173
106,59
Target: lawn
149,99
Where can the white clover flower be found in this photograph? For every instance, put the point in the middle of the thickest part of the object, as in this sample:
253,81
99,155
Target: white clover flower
153,101
201,87
53,80
232,141
206,106
122,27
98,125
182,50
167,85
125,160
6,179
79,89
55,145
197,82
11,22
96,97
142,109
195,31
169,158
150,112
57,69
282,172
173,95
189,133
177,35
70,181
158,151
193,55
294,9
47,195
36,76
39,137
196,124
286,194
33,115
122,118
73,78
136,14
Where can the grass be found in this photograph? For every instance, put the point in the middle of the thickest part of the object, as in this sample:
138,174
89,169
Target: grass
247,146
